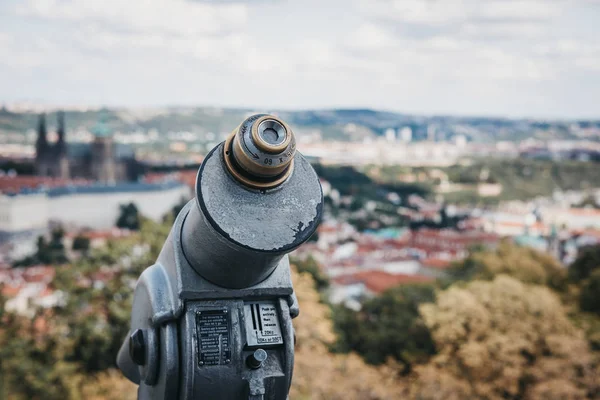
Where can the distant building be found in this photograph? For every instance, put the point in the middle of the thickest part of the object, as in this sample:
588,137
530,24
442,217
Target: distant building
28,288
449,244
573,218
434,267
489,189
351,289
406,134
102,160
431,133
390,135
460,140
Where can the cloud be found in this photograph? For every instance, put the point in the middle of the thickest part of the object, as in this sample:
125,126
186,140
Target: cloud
147,30
445,12
467,56
177,17
472,40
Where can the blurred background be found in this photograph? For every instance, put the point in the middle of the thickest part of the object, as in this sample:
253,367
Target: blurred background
458,147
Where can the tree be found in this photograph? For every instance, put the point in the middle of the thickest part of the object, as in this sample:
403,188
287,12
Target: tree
586,262
62,352
81,243
47,252
129,218
71,354
321,375
311,267
504,339
56,249
522,263
3,354
589,299
388,325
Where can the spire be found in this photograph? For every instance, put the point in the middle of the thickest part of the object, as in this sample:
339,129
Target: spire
61,126
102,129
42,141
61,145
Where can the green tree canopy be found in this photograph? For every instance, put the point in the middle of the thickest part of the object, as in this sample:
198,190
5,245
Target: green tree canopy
81,243
589,299
588,260
50,252
388,325
129,218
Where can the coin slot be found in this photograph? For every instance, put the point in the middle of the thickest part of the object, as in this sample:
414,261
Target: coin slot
253,318
260,327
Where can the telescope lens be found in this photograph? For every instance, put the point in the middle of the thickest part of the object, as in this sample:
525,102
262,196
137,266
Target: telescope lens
272,132
270,136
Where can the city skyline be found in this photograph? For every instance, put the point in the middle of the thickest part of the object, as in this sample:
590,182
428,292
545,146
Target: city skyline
533,59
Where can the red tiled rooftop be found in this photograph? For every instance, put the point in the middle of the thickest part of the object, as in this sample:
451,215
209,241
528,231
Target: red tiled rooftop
517,224
436,263
15,184
46,292
187,177
380,281
327,228
37,274
106,234
585,212
10,291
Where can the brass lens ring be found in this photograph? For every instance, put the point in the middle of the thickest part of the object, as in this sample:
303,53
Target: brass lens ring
260,155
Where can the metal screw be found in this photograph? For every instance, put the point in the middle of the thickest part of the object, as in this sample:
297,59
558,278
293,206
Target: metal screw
137,347
256,359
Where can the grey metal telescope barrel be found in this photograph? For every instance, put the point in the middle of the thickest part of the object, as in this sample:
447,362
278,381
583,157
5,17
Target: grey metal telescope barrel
237,235
212,317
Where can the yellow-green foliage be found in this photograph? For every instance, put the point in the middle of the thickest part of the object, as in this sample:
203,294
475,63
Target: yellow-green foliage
504,339
500,333
319,374
522,263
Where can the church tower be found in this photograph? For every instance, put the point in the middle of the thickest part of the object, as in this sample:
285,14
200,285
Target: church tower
51,159
60,149
42,148
103,165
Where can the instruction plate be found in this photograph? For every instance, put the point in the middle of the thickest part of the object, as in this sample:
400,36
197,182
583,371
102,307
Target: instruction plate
262,324
213,330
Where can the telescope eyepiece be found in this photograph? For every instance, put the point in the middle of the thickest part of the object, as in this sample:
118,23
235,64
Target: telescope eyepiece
271,137
260,152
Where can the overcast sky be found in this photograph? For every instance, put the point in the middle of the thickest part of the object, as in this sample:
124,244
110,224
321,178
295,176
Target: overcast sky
533,58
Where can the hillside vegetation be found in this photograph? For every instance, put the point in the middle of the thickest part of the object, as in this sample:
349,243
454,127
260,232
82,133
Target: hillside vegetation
492,331
521,179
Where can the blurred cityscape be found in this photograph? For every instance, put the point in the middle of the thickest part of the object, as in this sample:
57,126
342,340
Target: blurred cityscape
409,200
406,196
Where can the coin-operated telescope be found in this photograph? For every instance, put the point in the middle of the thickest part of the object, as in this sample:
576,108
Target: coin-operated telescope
212,319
